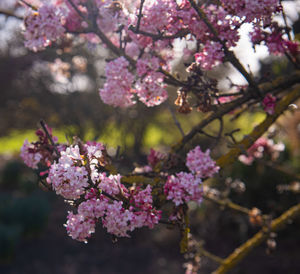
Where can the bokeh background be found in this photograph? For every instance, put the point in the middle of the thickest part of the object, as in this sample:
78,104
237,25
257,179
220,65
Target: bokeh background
61,86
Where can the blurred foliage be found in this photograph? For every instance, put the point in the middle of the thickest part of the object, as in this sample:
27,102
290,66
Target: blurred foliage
24,210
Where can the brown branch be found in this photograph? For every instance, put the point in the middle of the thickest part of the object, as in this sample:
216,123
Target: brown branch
280,83
140,15
76,9
28,5
160,36
227,203
209,255
241,252
11,14
259,130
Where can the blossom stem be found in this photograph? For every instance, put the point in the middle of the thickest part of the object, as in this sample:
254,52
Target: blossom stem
43,125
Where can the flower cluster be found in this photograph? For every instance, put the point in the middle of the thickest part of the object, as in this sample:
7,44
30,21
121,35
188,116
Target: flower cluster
39,152
200,163
117,89
78,174
261,147
43,27
185,187
117,217
69,176
273,37
252,10
147,40
182,188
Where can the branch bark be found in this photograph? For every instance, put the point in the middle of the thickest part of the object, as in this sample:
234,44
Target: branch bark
241,252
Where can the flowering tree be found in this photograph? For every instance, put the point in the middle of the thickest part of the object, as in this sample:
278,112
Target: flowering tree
141,36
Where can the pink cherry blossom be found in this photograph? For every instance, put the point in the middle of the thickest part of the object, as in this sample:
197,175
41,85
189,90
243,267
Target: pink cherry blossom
43,27
117,90
68,176
182,188
210,56
29,155
79,227
201,163
261,147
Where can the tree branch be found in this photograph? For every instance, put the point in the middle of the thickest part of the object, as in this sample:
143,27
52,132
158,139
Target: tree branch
10,14
241,252
259,130
280,83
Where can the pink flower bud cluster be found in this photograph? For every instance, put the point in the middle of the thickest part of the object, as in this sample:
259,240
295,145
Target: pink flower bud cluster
154,34
185,187
117,217
211,55
150,87
117,89
43,27
261,147
200,163
182,188
39,152
77,173
29,155
273,38
69,176
269,103
154,157
251,10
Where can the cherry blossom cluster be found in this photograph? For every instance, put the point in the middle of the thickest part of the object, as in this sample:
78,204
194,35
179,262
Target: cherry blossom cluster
262,147
77,173
273,37
39,152
145,32
43,26
200,163
118,218
184,187
252,10
119,90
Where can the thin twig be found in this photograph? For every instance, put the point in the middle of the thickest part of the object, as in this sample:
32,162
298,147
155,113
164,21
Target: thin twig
259,130
287,29
11,14
160,36
28,5
76,9
140,15
43,125
177,123
209,255
229,54
227,203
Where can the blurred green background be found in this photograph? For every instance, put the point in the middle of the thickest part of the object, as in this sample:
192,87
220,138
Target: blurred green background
32,236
